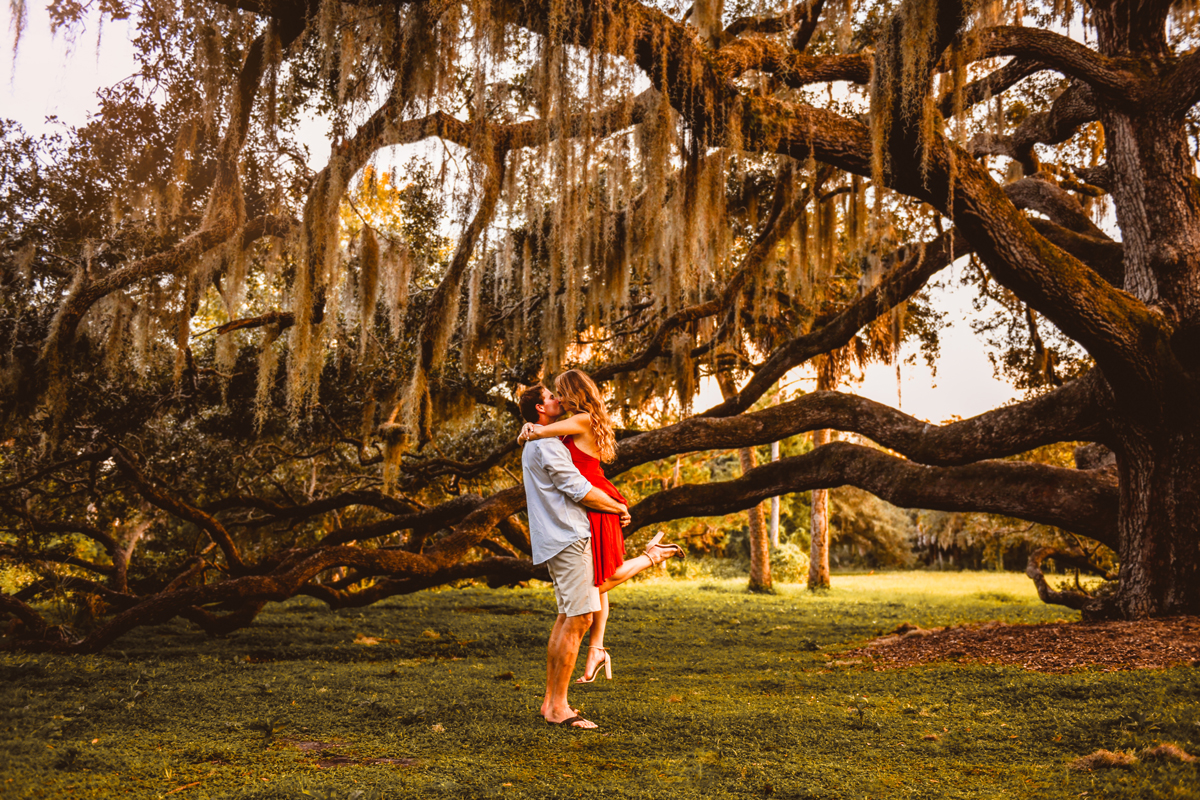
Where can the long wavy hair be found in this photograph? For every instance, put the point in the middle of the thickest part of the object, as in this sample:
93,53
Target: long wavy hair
579,393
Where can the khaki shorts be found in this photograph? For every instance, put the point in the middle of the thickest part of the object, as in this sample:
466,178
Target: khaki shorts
572,575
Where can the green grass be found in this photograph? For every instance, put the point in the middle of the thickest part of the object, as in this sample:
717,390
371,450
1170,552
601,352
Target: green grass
718,693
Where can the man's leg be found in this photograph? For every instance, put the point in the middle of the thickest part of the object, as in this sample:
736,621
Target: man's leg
578,600
555,634
561,654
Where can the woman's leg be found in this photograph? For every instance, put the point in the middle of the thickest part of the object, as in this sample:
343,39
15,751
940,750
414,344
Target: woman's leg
624,572
595,653
632,567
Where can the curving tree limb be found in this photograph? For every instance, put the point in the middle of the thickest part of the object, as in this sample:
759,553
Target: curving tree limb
1070,499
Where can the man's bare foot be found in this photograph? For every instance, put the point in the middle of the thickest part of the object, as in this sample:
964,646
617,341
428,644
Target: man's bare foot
545,711
572,721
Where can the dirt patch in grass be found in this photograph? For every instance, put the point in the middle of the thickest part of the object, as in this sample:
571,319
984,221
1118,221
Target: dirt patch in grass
1054,647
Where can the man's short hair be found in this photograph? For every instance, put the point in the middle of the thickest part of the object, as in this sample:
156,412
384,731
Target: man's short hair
531,398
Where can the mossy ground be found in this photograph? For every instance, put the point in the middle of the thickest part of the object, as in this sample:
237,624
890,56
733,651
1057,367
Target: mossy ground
717,693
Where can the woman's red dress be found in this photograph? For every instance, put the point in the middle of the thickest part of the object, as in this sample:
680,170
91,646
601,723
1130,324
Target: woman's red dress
608,542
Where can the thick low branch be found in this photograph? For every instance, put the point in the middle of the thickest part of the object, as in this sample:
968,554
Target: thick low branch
1106,75
1104,256
223,624
1065,414
1059,205
154,494
1068,598
424,521
1074,500
496,571
359,497
286,581
797,70
35,626
1074,107
466,534
991,85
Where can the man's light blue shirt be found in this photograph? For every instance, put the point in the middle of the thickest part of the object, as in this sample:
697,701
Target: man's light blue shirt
553,489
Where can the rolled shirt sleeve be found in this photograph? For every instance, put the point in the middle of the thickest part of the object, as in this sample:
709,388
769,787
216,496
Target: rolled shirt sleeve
553,489
563,473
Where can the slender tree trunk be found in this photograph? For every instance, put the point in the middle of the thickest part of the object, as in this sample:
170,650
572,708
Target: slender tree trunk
774,527
760,553
818,554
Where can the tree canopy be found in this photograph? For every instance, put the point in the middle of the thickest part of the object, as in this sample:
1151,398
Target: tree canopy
230,375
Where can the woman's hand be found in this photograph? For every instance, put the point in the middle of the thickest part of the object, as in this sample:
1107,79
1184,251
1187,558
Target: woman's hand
529,430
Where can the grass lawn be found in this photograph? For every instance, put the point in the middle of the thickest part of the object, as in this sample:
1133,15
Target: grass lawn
717,693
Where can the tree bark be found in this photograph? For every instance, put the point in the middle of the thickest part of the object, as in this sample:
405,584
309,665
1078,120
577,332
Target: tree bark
818,553
760,552
773,530
1160,506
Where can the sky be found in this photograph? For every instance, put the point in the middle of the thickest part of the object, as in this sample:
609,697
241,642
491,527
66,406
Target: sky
50,76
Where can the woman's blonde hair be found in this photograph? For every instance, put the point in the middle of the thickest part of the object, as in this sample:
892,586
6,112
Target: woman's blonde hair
579,394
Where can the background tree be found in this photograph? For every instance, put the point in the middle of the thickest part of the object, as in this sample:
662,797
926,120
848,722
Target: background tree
613,192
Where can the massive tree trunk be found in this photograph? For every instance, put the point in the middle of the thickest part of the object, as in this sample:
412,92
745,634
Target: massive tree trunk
1156,432
1160,511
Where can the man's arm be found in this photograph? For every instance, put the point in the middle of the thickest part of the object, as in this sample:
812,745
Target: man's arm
556,460
568,480
602,501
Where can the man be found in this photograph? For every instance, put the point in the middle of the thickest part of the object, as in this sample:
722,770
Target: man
555,496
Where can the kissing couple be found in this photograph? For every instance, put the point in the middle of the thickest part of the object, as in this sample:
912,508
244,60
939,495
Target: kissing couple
575,521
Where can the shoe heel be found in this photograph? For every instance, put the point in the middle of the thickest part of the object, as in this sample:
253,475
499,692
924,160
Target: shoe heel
607,666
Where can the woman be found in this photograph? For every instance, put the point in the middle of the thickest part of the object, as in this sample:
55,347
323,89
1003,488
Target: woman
587,432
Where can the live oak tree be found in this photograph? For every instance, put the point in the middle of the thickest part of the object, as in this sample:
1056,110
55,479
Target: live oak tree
229,379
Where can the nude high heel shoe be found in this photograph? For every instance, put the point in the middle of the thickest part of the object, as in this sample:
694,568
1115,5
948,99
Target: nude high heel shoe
607,664
673,549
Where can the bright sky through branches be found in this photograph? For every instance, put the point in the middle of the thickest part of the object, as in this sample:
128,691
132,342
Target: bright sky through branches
51,76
